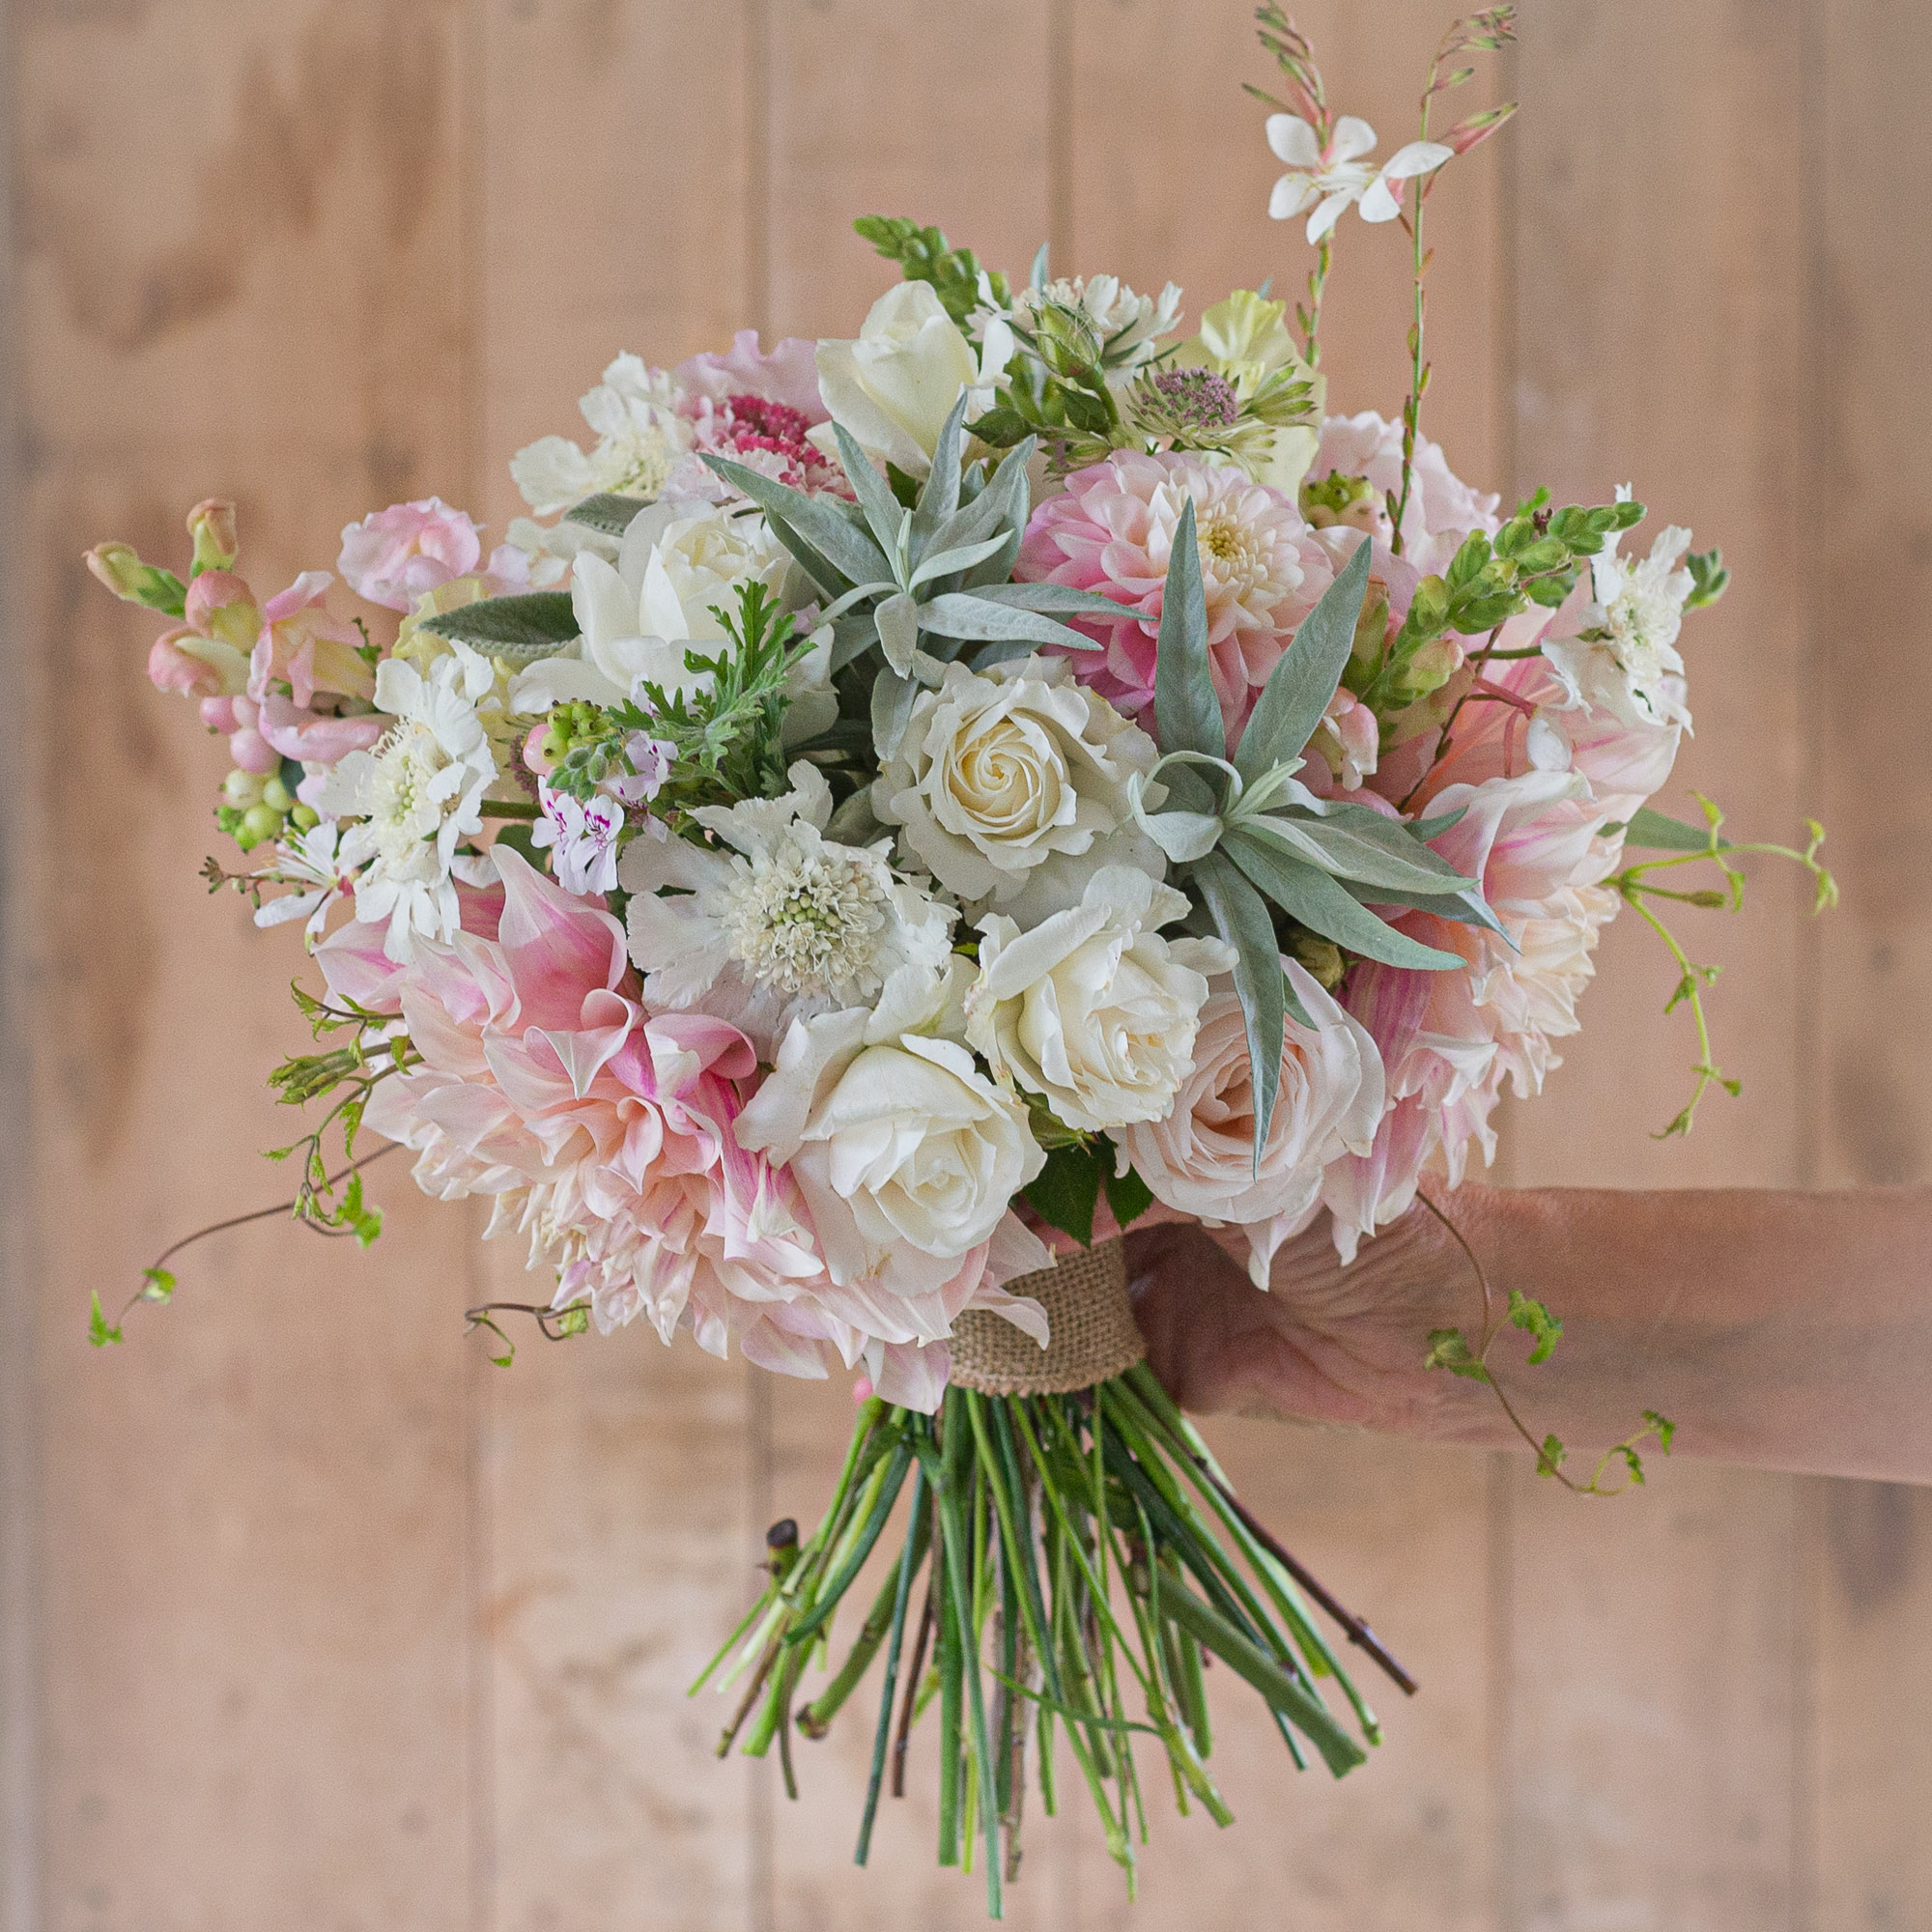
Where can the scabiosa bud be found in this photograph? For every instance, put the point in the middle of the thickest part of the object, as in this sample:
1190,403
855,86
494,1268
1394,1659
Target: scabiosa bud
1198,399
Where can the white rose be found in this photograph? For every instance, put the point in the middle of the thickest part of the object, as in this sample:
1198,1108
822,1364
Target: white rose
1012,773
907,1155
1092,1008
1200,1160
895,385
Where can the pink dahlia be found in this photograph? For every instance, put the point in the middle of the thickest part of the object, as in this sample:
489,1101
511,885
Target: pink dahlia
1112,532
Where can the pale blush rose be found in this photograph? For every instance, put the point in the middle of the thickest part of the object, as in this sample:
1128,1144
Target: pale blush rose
907,1156
1092,1008
302,645
393,556
1442,509
894,387
1006,772
1112,532
1200,1157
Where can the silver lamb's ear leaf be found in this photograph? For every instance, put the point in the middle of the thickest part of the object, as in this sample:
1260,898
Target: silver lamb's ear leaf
1185,706
960,614
945,563
940,499
522,630
1462,908
1301,685
897,618
893,698
1323,906
883,510
1242,920
1353,842
1057,600
827,536
607,512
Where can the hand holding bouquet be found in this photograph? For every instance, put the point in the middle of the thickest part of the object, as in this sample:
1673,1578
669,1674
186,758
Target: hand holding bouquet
901,811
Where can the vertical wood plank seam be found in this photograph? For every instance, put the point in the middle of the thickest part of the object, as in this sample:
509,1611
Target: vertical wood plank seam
20,1713
1060,163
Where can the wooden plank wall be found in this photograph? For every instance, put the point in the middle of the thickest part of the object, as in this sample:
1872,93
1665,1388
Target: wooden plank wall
312,1619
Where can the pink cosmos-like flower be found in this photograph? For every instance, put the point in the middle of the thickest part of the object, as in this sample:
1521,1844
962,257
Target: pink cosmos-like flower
1112,532
394,555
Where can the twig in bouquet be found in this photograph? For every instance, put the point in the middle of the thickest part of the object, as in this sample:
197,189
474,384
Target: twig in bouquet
918,1537
903,1739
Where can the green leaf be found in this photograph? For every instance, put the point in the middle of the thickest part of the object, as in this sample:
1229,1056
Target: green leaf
1323,906
1449,1349
1527,1313
883,512
1464,908
158,1285
1186,709
955,561
1666,1430
939,499
1241,918
1128,1195
607,512
1549,1458
1059,600
1709,579
898,619
1066,1189
531,625
1654,831
100,1330
1301,685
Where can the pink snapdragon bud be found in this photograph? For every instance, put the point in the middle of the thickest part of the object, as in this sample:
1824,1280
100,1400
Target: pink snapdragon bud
301,644
220,605
196,667
119,568
245,743
211,525
395,555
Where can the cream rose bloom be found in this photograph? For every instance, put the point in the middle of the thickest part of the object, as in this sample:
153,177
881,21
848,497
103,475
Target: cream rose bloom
1011,785
1092,1008
1199,1158
907,1155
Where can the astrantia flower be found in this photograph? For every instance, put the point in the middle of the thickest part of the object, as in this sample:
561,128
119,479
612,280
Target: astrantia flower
1623,656
778,922
415,794
1331,178
1113,531
581,838
641,434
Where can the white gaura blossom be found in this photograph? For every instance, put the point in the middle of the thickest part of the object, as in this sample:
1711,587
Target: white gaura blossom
894,387
1093,1010
907,1155
777,922
1013,785
639,437
415,795
1334,177
1623,658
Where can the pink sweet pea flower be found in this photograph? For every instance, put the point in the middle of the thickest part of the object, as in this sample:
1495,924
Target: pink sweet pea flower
787,374
393,556
302,644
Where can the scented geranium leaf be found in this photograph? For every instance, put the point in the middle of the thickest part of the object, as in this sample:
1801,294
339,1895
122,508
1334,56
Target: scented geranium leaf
1449,1349
1064,1194
1241,917
1315,899
961,613
1655,832
100,1330
1186,710
1129,1196
1353,842
608,513
888,522
827,533
522,629
1301,685
1529,1314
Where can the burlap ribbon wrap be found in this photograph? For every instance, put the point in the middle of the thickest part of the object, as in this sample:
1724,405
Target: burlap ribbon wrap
1094,1334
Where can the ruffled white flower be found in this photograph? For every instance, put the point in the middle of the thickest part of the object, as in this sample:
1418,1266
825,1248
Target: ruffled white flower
311,863
1013,787
639,437
907,1155
415,795
779,922
1093,1010
1624,657
1335,178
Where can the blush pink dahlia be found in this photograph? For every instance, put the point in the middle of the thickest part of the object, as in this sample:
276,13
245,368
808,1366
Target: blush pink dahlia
1112,532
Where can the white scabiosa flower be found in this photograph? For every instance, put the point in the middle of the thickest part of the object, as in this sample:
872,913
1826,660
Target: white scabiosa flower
415,795
639,437
778,920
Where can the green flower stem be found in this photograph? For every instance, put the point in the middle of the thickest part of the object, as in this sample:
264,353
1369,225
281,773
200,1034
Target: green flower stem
910,1557
504,807
881,1493
815,1719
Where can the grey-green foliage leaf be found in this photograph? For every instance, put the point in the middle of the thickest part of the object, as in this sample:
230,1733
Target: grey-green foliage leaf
897,618
1299,687
884,511
1465,908
893,698
940,498
607,512
1185,706
1353,842
959,614
1059,600
814,521
1655,832
522,629
1321,904
1241,919
949,562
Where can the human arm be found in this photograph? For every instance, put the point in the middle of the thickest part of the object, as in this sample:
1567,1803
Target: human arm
1789,1330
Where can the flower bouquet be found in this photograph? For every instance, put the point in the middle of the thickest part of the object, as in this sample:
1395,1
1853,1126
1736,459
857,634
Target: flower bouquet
902,811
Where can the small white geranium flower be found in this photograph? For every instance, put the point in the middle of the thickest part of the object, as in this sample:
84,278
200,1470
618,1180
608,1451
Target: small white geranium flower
1334,176
582,837
415,795
779,922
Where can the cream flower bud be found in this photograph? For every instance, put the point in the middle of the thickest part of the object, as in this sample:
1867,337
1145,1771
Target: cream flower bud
1092,1008
894,386
211,525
